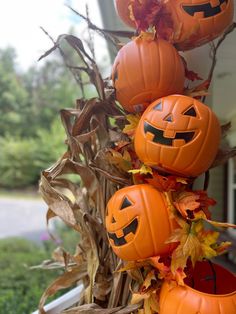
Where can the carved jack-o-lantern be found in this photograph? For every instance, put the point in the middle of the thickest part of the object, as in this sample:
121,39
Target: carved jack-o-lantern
210,289
145,70
195,22
178,134
138,223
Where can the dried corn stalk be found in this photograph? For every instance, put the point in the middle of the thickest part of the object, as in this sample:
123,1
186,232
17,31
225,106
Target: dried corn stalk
90,132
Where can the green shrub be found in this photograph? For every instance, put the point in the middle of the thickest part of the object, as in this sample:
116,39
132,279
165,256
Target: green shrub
21,287
22,159
17,162
50,144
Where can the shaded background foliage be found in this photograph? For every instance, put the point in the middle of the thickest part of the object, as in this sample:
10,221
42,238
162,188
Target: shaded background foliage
31,139
22,285
31,135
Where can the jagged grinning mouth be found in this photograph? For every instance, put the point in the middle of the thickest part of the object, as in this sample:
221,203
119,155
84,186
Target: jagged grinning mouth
206,8
159,135
132,227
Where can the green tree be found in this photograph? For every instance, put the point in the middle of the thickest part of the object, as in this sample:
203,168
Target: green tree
31,136
50,87
31,100
13,96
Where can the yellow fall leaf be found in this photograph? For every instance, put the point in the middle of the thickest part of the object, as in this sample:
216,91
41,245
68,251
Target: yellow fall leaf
154,304
172,209
207,251
148,293
199,215
210,238
189,246
148,280
147,306
138,297
197,93
123,162
194,243
181,180
134,265
222,247
126,156
198,227
177,234
151,304
143,170
130,128
179,277
149,36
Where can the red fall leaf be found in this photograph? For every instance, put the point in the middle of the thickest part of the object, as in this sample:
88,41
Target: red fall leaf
149,13
166,183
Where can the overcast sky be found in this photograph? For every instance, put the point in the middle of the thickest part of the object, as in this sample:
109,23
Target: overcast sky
20,21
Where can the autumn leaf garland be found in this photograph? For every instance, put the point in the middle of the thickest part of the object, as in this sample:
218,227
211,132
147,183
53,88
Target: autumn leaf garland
194,241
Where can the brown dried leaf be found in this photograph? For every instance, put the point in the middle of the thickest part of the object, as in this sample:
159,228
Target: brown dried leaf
111,177
94,308
83,309
86,137
223,156
225,128
102,287
65,212
186,201
48,52
84,207
117,285
61,256
64,281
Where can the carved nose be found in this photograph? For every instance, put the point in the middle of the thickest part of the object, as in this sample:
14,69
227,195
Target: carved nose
169,118
113,219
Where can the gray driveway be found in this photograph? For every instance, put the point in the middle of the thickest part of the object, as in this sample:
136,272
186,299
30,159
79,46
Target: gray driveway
19,217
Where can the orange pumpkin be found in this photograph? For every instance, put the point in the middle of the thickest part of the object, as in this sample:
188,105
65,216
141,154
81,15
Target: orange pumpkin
178,134
138,223
145,70
122,9
195,22
199,295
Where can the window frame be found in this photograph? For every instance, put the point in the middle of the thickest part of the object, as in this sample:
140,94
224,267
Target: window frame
231,212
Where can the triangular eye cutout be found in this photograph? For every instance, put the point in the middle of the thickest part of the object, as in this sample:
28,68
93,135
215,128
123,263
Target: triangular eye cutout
169,118
190,112
125,203
113,220
158,107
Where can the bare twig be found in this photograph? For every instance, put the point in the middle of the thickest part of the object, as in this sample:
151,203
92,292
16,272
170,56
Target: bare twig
214,49
90,42
110,35
76,74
